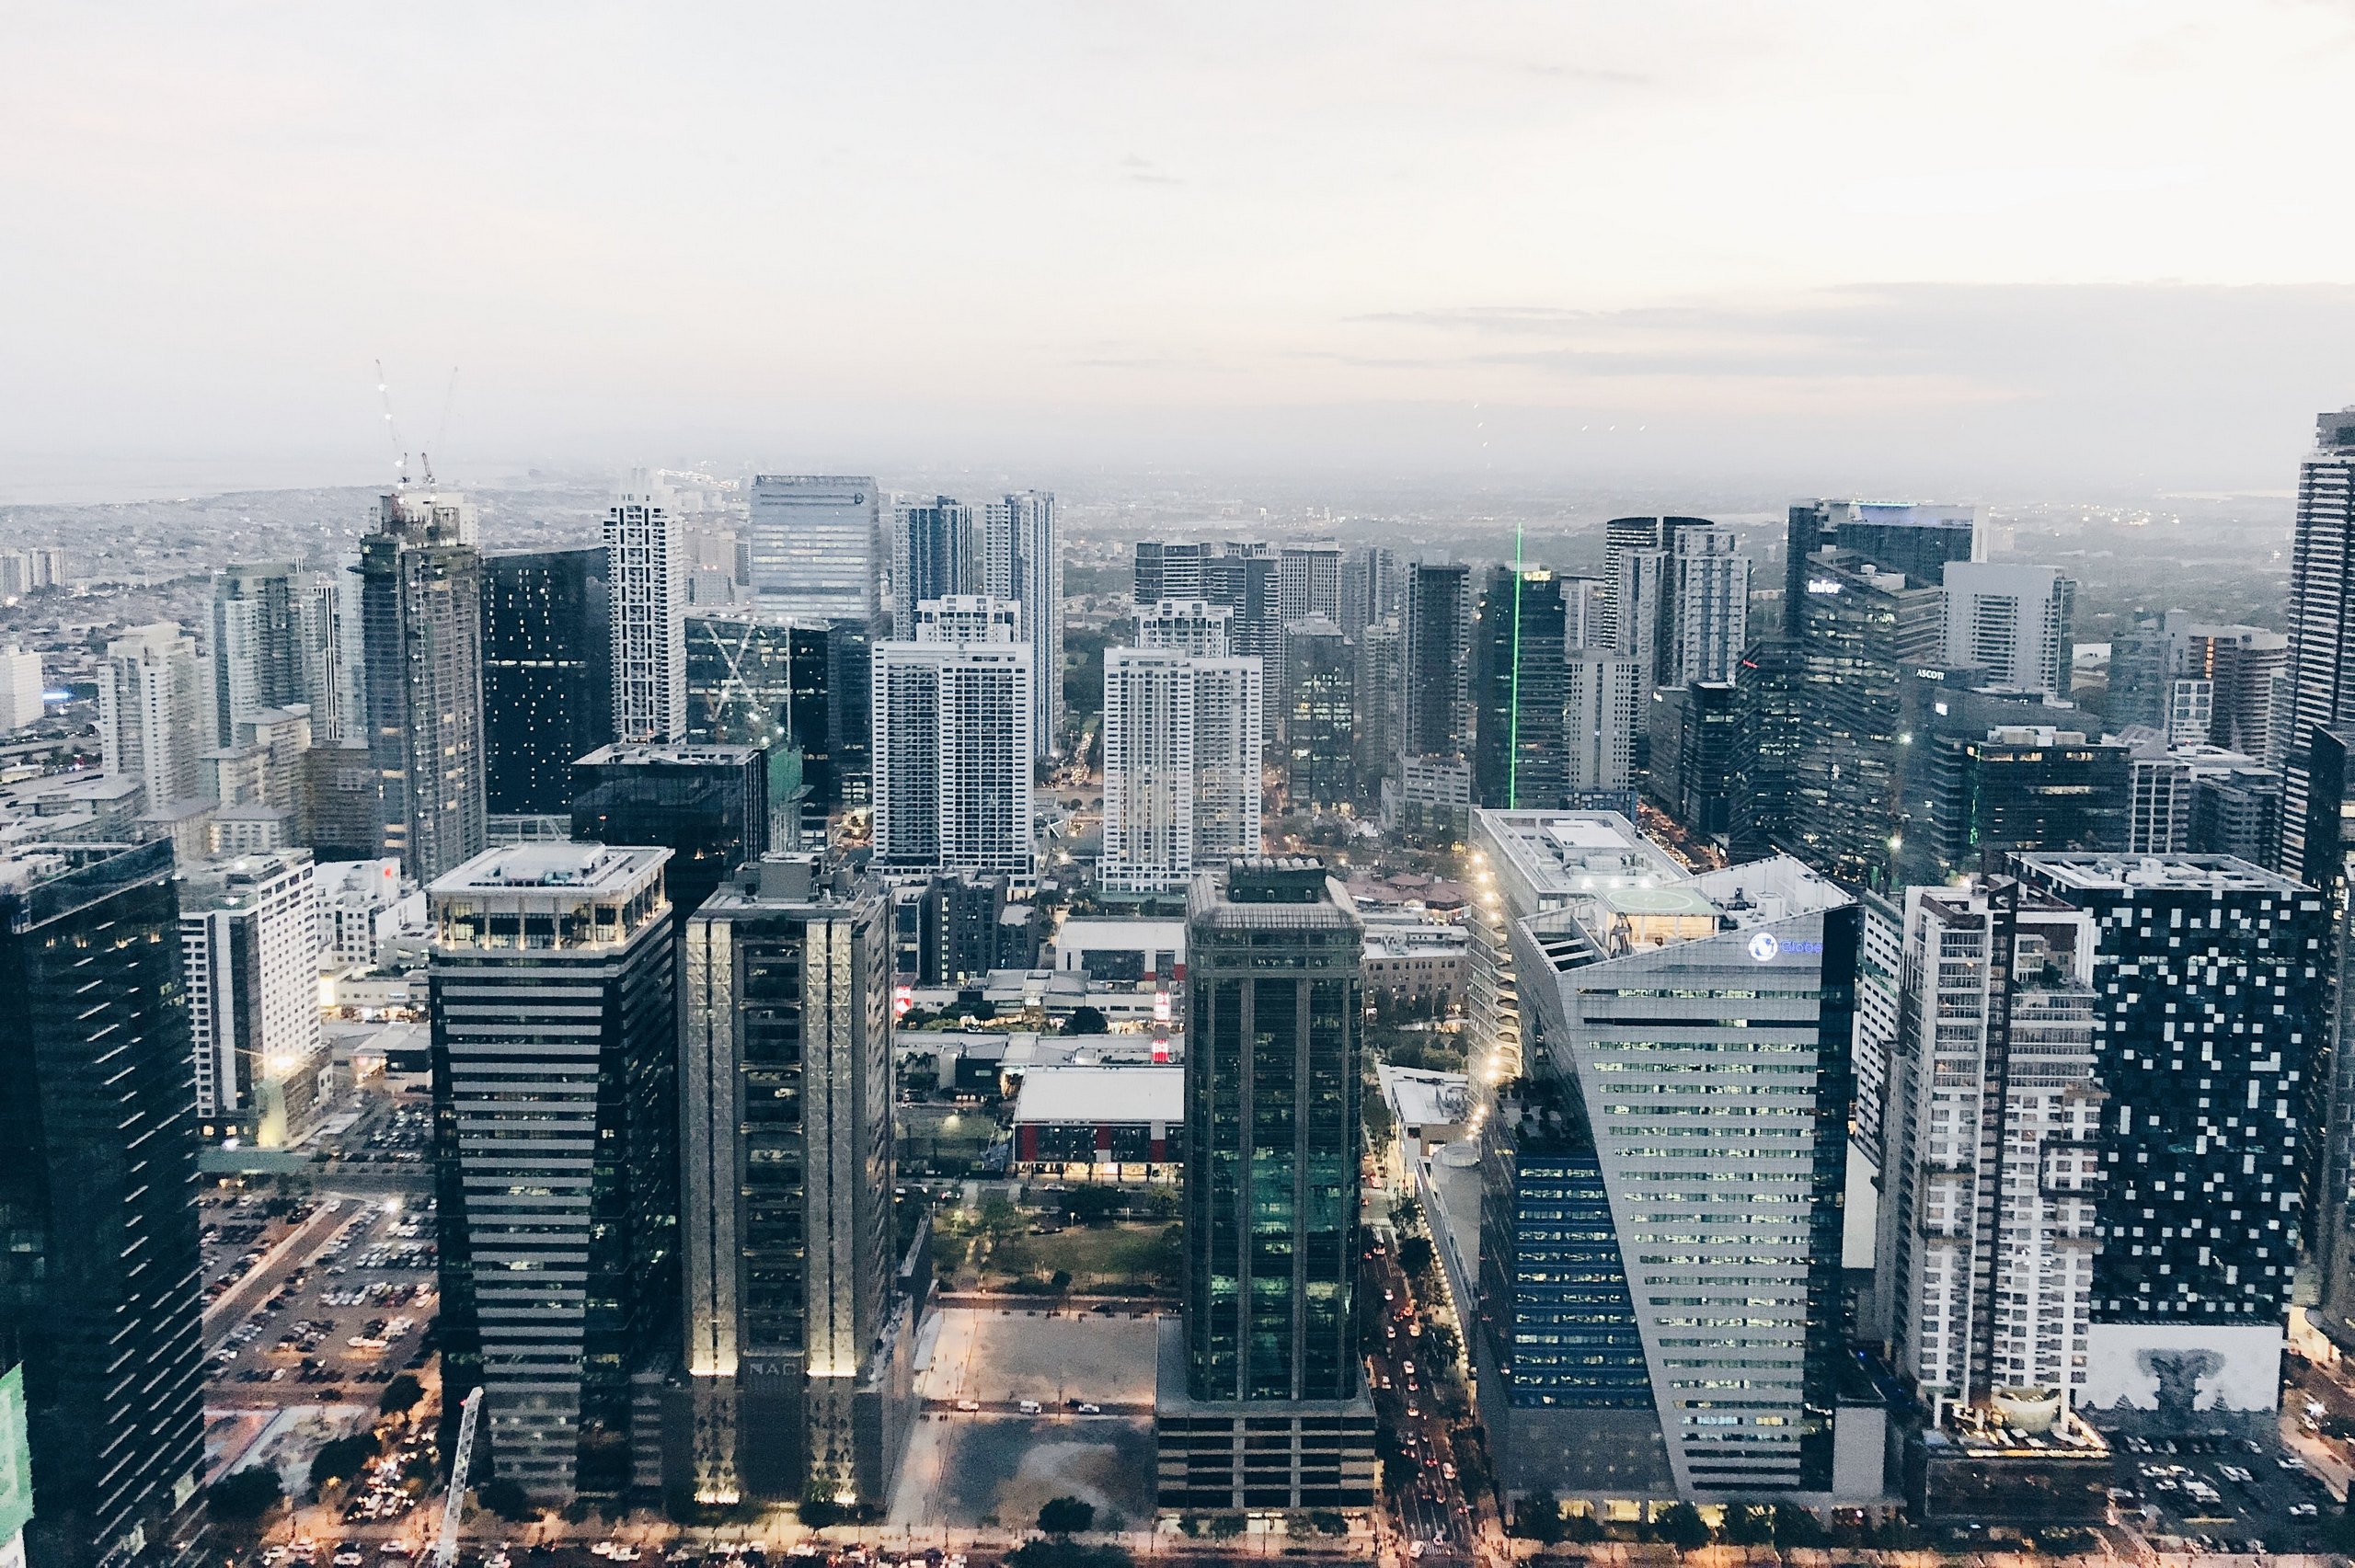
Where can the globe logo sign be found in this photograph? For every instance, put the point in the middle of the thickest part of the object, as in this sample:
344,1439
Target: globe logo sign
1763,946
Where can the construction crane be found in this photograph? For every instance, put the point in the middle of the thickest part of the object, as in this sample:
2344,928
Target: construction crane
445,1551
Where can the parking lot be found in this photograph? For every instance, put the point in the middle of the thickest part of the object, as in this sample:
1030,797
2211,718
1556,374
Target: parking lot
340,1318
2221,1492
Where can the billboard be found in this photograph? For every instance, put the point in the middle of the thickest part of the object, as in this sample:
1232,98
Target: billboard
15,1459
2182,1369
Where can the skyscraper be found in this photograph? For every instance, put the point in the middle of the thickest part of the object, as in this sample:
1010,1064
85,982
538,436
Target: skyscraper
1267,1340
20,688
2210,1025
1022,562
1439,606
547,682
2013,623
1677,598
1971,797
1182,745
2322,614
816,542
556,1151
1167,570
249,949
1603,708
97,1193
1319,720
1519,673
1308,581
787,1087
799,686
952,753
421,609
714,807
153,723
934,552
256,645
1913,539
646,578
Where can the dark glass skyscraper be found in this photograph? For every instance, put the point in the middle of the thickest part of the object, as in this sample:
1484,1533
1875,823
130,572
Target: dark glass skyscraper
805,684
420,612
1269,1340
1914,538
97,1197
547,685
1320,696
1438,657
714,807
1520,689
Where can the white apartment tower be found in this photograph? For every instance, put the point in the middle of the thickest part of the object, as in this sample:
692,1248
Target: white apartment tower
249,950
2011,620
1182,742
1991,1134
2322,618
151,713
20,688
952,716
1022,560
1709,629
645,570
1602,704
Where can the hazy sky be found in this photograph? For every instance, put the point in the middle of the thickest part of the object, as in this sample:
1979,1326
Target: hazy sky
1968,249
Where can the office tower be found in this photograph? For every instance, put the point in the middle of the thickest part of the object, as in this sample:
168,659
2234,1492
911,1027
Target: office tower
421,613
1992,1129
1370,588
1267,1340
2322,613
250,948
1320,695
1860,629
1696,775
1519,675
1022,563
256,645
1602,710
952,749
1308,581
556,1141
1381,701
1913,539
2211,1027
1708,608
797,687
786,1093
1971,798
816,546
2011,622
2248,669
1182,746
153,724
714,807
645,587
934,552
1770,699
20,688
1167,571
1438,685
548,675
1673,1140
1243,578
1187,625
98,1184
2329,868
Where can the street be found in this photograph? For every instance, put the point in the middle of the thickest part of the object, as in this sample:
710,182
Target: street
1411,1390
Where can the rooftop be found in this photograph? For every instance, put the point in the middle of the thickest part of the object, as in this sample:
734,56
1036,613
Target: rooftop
591,867
1425,1099
1096,1094
643,753
2177,873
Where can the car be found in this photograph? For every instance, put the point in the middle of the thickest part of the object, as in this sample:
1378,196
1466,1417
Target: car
1390,1330
1087,1409
968,1406
1027,1406
2302,1510
1413,1413
349,1557
1448,1470
1389,1294
1408,1368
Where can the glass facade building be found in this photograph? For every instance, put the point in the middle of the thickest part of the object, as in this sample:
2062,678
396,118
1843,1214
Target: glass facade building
547,684
714,807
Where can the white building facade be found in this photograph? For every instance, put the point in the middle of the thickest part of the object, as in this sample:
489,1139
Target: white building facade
2011,620
952,715
646,575
152,717
816,547
250,948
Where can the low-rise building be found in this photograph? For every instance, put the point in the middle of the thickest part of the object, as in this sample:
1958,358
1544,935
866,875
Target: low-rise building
1101,1123
1418,966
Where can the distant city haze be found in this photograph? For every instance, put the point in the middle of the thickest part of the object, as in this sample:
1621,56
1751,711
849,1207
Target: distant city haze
1989,251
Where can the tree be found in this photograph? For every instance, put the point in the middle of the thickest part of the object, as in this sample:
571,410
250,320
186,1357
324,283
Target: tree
1682,1526
1796,1526
244,1496
1539,1519
1093,1206
1415,1256
400,1395
505,1496
341,1459
1066,1516
1746,1526
1086,1020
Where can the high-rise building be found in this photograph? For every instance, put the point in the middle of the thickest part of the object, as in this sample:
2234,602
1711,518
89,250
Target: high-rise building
1770,731
2011,622
256,645
1913,539
646,586
1860,631
1308,581
326,649
21,702
816,544
1182,746
1670,1149
556,1151
786,1071
548,680
1319,719
1520,672
1969,799
153,724
1267,1340
1022,563
250,948
2322,614
1438,685
421,612
1370,588
934,553
1677,598
2211,1024
98,1193
1167,570
1696,773
31,571
1992,1128
714,807
1243,578
1636,552
1381,701
1602,710
799,686
952,751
